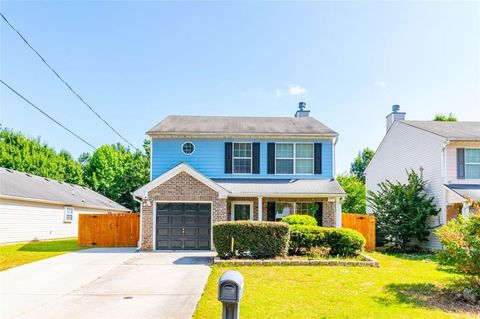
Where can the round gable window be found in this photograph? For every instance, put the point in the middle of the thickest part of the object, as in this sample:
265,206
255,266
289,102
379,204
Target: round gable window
188,148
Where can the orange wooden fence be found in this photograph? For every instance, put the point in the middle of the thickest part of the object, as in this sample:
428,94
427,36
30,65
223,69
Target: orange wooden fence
108,230
365,224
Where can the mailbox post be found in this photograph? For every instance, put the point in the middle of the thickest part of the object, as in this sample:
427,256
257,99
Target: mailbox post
230,291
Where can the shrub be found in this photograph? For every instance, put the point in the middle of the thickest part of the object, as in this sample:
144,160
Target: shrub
461,247
300,220
251,239
402,211
340,241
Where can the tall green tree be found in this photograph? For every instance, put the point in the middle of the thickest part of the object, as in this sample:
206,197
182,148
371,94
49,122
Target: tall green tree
402,211
445,118
361,162
114,171
355,200
31,155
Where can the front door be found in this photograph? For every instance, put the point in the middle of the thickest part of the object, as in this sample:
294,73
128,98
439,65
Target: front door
183,226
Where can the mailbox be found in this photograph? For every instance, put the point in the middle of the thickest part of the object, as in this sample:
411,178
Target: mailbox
230,291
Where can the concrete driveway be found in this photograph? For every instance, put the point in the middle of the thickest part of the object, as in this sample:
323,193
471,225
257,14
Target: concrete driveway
106,283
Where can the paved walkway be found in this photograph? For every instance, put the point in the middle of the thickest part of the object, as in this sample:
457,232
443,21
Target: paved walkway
106,283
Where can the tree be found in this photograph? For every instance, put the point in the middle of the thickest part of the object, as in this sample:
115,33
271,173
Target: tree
355,200
445,118
115,172
361,162
29,155
402,211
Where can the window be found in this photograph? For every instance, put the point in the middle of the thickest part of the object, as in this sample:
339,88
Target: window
242,158
242,210
294,158
283,210
306,208
68,216
304,158
472,163
188,148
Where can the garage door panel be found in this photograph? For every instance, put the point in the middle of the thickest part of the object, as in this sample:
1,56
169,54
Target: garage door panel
163,219
204,220
183,226
176,220
190,219
203,232
176,244
163,231
203,244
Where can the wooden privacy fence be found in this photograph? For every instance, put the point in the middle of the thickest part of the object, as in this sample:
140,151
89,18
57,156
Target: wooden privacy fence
365,224
108,230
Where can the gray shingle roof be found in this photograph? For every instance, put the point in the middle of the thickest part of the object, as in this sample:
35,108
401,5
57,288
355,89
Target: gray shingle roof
21,185
272,187
450,130
179,124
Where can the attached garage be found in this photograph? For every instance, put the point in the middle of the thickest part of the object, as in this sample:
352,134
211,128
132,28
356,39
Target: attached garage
183,226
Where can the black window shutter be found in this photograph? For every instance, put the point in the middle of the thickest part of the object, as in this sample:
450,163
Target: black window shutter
271,158
271,211
228,157
317,161
460,163
255,158
319,214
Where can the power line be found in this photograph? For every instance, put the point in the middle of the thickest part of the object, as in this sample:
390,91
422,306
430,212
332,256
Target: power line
44,113
66,84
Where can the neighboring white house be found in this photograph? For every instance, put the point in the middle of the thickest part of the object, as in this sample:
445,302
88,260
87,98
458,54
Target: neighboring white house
447,154
33,207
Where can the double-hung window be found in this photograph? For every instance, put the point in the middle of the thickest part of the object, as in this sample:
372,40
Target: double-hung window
294,158
68,215
472,163
242,158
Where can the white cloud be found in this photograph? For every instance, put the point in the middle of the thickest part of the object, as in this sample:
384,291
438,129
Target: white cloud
381,84
296,90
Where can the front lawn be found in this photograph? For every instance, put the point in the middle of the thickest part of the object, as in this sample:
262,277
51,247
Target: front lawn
14,255
403,287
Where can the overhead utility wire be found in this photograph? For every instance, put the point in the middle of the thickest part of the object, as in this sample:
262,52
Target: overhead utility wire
66,84
44,113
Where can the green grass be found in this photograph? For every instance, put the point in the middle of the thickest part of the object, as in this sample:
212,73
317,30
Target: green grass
23,253
404,287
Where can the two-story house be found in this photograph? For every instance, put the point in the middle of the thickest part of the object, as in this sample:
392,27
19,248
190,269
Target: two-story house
206,169
447,154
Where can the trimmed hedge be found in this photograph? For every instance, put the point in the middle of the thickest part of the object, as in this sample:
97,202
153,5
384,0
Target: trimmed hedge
251,239
300,220
341,241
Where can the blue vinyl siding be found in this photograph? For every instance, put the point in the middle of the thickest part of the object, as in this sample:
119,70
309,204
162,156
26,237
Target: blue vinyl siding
209,157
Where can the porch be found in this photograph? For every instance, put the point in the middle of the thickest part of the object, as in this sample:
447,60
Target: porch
327,210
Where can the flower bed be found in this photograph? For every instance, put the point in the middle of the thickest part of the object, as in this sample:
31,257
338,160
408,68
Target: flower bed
364,261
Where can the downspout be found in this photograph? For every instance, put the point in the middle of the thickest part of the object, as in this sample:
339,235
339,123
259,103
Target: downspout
139,243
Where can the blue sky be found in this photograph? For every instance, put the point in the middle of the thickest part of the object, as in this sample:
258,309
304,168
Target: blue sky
137,62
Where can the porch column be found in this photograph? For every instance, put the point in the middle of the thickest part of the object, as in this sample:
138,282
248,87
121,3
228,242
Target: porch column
338,213
260,208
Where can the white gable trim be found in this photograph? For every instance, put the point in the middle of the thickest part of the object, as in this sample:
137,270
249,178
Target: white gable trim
182,167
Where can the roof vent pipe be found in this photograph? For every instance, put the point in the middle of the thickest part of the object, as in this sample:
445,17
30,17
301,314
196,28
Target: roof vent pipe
301,110
396,115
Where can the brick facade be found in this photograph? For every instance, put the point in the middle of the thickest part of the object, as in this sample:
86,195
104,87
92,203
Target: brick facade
183,187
